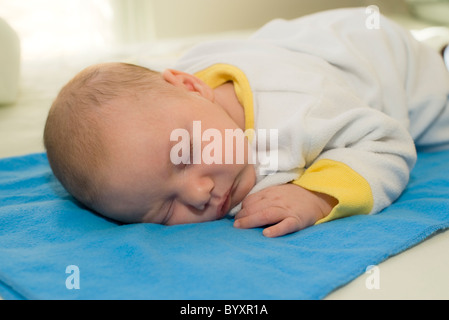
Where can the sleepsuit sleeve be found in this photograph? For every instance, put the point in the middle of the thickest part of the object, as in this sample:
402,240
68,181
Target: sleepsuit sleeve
357,154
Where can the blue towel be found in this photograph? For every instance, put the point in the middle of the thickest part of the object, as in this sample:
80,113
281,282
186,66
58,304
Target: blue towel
51,247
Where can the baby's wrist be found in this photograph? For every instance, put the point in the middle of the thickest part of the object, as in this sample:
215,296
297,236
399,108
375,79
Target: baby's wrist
325,202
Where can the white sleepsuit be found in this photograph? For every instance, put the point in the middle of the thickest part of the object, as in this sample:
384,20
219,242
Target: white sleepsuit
349,102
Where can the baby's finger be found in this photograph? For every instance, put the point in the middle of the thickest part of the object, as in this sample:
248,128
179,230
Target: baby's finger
260,218
252,199
252,207
241,214
286,226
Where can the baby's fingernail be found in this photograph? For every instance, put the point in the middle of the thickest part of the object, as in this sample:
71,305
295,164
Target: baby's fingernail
268,233
237,224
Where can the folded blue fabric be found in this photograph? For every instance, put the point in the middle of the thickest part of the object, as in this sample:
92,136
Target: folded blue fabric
51,247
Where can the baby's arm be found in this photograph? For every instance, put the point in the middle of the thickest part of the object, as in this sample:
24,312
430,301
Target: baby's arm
287,208
357,155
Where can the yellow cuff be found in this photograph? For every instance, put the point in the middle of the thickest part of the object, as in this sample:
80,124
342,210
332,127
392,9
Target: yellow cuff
341,182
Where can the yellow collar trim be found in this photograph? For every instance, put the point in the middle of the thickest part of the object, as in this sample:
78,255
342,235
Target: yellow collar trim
221,73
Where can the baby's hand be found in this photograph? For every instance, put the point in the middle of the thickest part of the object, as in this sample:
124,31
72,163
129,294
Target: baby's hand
287,208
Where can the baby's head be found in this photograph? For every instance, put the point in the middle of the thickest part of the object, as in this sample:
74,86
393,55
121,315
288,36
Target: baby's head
111,140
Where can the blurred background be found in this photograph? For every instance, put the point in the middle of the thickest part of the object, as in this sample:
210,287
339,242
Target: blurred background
43,43
65,26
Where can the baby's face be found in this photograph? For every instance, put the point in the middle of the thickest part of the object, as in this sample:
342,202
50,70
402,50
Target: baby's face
150,177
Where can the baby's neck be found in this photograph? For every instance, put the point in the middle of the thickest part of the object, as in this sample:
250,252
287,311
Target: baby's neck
226,97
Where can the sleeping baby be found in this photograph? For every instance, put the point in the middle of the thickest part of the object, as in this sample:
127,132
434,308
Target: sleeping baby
307,121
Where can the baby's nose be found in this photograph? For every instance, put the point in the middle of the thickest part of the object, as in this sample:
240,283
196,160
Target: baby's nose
197,192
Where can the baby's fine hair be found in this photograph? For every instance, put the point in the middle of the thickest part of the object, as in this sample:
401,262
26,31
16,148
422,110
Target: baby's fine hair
73,135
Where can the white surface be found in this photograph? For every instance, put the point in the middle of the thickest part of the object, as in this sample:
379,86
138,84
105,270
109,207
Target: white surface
422,272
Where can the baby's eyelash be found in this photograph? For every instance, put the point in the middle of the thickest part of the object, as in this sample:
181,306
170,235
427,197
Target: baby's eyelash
169,212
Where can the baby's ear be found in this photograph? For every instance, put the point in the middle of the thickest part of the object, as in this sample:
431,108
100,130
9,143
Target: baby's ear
189,82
